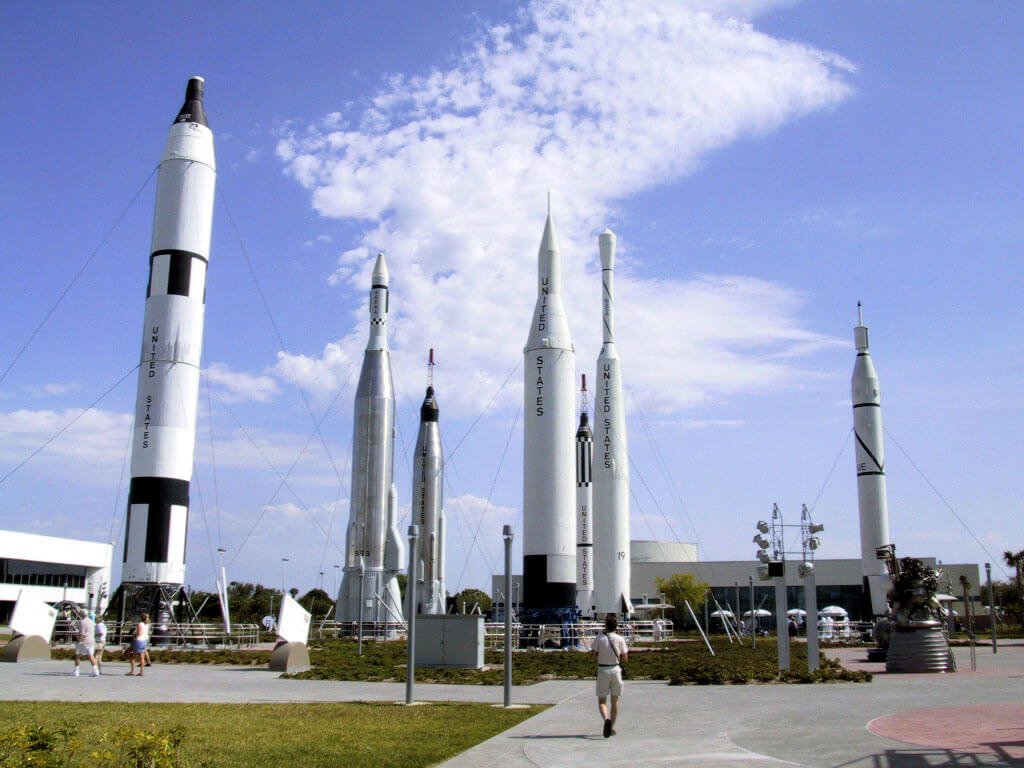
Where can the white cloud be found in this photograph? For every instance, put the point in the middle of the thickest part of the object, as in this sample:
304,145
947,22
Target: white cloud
95,439
54,389
237,386
318,240
594,101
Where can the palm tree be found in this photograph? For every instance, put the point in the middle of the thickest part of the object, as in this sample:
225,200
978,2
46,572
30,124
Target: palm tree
1015,560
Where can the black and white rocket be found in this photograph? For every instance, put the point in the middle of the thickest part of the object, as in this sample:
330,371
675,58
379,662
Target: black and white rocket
584,516
870,455
163,444
549,503
374,549
428,506
611,465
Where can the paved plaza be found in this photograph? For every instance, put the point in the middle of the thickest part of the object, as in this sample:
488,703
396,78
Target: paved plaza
897,721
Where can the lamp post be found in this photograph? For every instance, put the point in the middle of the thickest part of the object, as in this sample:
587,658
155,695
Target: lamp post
336,567
753,634
410,584
506,534
991,604
284,578
810,543
362,599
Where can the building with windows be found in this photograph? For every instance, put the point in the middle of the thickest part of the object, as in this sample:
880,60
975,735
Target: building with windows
53,569
837,581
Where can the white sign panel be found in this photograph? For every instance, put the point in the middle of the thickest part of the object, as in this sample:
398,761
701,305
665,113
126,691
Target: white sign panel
33,617
293,626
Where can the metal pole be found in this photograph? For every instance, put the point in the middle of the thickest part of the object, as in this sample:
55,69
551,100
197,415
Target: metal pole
753,632
284,578
707,618
362,605
410,583
991,604
811,606
506,534
780,623
739,613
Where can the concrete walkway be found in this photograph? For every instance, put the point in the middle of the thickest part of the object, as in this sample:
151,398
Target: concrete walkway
897,721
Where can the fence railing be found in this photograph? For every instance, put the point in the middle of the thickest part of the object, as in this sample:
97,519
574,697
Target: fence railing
202,635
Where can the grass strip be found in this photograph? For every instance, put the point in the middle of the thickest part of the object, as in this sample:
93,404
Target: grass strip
355,735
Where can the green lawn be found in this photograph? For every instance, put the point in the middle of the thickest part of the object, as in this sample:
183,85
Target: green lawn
248,735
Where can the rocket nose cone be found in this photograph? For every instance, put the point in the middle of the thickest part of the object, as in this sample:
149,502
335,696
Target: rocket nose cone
192,110
194,90
380,271
429,410
548,241
606,244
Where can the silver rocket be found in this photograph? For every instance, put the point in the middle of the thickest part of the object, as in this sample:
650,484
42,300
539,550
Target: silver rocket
428,507
163,444
870,454
611,468
373,538
549,519
584,516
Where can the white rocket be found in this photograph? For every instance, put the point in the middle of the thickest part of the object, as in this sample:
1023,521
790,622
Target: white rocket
373,538
549,504
584,516
871,497
611,467
163,444
428,506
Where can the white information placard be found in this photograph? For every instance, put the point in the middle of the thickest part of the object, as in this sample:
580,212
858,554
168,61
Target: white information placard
293,625
33,617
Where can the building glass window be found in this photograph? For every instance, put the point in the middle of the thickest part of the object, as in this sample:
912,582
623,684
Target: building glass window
32,573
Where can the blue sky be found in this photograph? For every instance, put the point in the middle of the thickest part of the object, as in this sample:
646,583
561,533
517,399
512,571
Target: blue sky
765,165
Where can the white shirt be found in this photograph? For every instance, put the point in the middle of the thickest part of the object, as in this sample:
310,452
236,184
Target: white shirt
603,645
101,632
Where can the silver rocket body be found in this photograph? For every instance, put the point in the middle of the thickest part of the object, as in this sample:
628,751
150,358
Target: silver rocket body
163,444
428,509
870,456
373,538
584,518
611,460
549,503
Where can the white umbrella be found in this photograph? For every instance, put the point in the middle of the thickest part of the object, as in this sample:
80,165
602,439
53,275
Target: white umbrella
796,612
833,610
720,614
758,612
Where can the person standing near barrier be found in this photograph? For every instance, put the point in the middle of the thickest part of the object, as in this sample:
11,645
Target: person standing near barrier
609,648
140,639
101,640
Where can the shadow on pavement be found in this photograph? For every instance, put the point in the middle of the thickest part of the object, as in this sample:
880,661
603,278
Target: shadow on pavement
936,758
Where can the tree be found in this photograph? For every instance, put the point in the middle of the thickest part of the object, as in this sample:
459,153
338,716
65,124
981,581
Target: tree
1015,560
316,599
680,588
467,598
249,603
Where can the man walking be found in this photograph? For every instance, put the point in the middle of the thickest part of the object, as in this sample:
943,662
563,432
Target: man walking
86,644
609,648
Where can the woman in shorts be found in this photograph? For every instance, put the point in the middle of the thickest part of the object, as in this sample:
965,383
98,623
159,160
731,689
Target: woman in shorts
140,639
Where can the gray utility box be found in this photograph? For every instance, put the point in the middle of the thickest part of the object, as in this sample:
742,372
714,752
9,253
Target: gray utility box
450,640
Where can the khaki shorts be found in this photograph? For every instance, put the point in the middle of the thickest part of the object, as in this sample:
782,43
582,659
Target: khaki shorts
100,647
609,680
